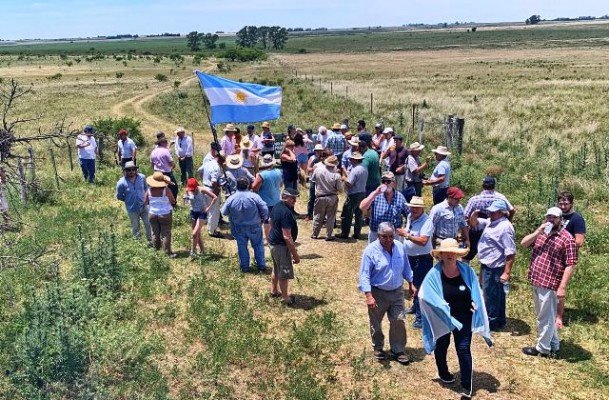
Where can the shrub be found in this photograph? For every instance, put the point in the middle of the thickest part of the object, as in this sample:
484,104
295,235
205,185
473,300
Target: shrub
109,127
55,77
161,77
243,54
302,51
120,74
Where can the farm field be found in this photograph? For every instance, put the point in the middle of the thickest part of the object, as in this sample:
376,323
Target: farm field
138,325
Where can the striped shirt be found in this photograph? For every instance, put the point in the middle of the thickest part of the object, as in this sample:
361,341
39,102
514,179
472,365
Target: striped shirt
447,220
483,201
551,255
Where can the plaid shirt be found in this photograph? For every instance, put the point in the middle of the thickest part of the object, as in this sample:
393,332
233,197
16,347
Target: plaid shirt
483,201
447,220
382,211
551,255
337,143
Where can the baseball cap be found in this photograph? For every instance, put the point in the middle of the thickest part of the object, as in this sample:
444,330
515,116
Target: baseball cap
489,181
555,211
497,205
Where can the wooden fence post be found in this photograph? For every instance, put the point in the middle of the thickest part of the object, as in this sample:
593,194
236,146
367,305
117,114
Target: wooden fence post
331,88
22,181
54,167
421,131
371,100
460,122
346,91
31,165
70,155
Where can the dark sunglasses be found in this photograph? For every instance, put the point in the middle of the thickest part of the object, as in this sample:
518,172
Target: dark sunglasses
386,181
130,169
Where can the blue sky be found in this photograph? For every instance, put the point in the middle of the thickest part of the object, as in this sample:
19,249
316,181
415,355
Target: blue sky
43,19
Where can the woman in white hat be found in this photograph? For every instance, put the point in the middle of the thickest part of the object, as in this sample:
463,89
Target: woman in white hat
160,202
440,177
451,302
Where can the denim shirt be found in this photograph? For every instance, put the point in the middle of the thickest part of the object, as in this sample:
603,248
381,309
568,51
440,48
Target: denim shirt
383,270
132,193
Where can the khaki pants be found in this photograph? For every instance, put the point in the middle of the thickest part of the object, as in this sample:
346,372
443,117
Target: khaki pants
161,231
325,208
390,302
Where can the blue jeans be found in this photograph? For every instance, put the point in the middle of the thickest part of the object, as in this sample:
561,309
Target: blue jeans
88,169
420,267
463,340
494,296
439,194
252,233
186,169
311,201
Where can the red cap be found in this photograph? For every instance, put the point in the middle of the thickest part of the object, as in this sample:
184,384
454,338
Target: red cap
123,132
191,184
455,193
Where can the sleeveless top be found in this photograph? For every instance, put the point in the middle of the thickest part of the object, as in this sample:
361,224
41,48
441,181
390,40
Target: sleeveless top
159,205
198,202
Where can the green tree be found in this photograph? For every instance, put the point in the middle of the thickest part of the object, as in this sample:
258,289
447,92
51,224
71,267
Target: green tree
209,40
194,40
247,36
263,36
533,19
278,37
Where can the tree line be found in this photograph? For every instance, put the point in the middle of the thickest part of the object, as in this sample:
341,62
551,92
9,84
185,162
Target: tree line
268,37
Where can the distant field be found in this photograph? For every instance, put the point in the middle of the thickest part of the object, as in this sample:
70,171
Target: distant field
554,35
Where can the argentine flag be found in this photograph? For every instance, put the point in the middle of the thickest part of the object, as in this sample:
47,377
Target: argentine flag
240,102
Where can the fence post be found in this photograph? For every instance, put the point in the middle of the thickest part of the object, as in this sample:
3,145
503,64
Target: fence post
54,167
70,154
22,181
414,111
421,131
31,165
460,124
371,100
346,91
448,131
331,88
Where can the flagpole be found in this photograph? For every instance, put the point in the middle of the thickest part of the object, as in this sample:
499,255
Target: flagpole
215,135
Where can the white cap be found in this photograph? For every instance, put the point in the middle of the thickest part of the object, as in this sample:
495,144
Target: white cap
555,211
343,126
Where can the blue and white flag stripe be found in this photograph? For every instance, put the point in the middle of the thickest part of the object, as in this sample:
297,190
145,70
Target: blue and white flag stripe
232,101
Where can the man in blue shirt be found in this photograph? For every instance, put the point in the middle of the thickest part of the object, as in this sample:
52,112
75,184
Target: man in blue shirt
246,211
440,177
184,151
131,189
448,218
383,269
126,148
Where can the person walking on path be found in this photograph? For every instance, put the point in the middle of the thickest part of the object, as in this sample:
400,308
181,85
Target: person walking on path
553,262
201,199
282,238
383,270
451,302
246,212
87,152
131,189
184,151
160,202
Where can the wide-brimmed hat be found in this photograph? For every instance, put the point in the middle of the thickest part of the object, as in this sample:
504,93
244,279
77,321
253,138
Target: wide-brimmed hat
354,141
191,184
319,147
230,128
331,161
388,175
179,129
234,161
266,161
266,125
246,143
336,126
442,150
129,164
356,155
160,138
416,201
449,246
158,180
416,146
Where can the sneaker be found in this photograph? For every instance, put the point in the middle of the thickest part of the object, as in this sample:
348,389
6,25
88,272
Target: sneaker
313,237
380,355
465,393
193,255
216,234
417,324
330,238
400,357
449,378
532,351
172,255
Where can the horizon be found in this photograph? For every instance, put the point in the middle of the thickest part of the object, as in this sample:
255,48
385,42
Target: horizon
90,19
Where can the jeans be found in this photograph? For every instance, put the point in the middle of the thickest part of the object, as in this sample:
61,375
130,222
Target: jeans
252,233
494,296
463,340
311,201
291,184
186,169
134,218
161,231
474,239
350,208
439,194
420,267
88,168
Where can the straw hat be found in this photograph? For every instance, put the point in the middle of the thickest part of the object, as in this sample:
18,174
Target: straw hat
354,141
234,161
265,124
336,126
442,150
416,146
356,155
129,164
230,128
160,138
246,143
331,161
318,147
180,130
158,180
267,161
416,201
449,246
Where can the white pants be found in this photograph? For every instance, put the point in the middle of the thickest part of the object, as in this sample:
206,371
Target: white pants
546,302
213,216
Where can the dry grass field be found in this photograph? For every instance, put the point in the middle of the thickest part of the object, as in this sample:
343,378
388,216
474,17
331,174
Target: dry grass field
527,111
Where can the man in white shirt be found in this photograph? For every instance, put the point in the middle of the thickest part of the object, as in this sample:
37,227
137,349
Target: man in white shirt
184,151
87,152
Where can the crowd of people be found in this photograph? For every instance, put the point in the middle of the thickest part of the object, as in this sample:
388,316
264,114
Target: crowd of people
256,184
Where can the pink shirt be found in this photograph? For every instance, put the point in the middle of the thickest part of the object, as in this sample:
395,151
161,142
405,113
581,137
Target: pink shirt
161,160
228,145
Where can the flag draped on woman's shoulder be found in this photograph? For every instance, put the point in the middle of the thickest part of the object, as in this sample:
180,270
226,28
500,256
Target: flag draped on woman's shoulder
240,102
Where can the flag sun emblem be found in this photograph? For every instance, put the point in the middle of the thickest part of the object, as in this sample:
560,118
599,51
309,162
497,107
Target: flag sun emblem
240,96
